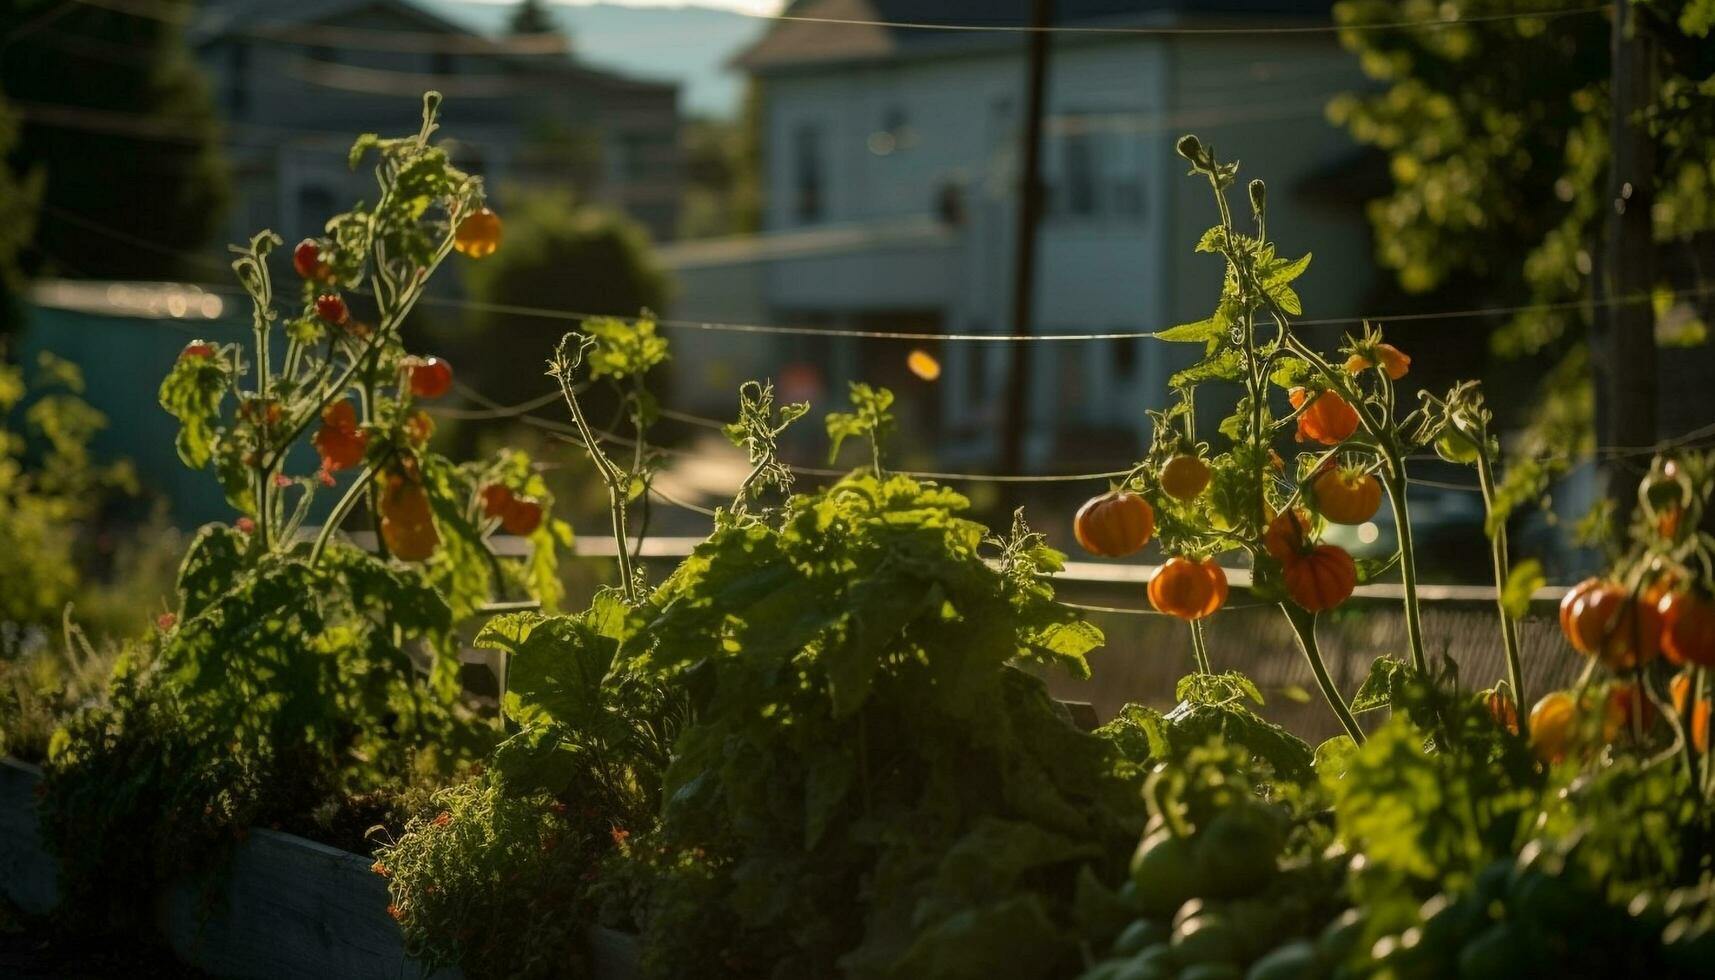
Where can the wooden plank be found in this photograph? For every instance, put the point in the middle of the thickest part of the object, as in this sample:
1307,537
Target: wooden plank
283,907
29,875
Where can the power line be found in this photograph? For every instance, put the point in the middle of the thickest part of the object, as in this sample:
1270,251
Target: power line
716,326
1171,31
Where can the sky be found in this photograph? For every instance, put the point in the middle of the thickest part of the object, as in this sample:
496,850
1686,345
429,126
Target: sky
738,6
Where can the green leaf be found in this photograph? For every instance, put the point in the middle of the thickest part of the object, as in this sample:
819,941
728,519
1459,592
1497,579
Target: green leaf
1190,725
623,348
1379,688
1228,365
1334,756
193,391
1522,582
1229,687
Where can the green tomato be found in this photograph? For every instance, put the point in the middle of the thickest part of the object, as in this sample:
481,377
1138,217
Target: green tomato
1207,938
1294,961
1455,448
1139,936
1238,851
1166,873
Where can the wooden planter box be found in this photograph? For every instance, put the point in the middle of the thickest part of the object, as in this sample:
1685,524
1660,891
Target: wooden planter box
286,906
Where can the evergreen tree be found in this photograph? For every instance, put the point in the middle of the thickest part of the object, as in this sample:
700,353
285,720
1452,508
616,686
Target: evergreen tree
117,120
532,17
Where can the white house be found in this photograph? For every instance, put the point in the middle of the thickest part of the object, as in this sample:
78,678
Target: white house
890,186
296,81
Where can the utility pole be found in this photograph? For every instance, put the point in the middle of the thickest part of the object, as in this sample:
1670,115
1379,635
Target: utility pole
1623,349
1016,394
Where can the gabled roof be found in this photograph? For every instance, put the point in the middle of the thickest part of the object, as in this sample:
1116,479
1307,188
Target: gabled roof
803,44
260,16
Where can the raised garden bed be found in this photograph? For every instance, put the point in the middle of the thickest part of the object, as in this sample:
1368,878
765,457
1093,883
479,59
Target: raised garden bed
285,906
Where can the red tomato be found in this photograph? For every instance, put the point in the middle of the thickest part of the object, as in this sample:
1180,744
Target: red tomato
1697,721
332,309
307,260
340,442
1688,629
522,516
197,348
1607,624
495,497
429,377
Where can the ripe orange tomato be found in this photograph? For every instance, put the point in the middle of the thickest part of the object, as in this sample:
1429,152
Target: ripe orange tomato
429,377
1570,600
1688,629
340,442
1394,361
332,309
1184,477
1287,536
1187,588
1329,420
1552,722
1605,623
197,348
407,524
522,516
1346,496
1114,524
478,235
1502,709
1698,720
1322,579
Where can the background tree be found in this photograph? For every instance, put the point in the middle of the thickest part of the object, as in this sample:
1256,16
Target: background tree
532,17
18,194
1497,134
557,254
102,92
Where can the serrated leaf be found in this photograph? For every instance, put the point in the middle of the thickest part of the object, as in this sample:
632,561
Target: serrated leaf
1378,689
1224,688
1228,365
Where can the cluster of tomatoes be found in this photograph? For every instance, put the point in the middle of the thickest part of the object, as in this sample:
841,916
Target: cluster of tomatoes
1316,576
1651,611
1626,630
407,524
518,514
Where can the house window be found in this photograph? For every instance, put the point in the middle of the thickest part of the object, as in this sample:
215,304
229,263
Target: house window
807,176
238,78
1080,175
315,203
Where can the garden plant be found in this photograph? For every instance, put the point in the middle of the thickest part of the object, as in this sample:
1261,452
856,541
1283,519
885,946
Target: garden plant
822,744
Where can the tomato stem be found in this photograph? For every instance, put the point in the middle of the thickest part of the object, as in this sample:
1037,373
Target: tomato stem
1200,649
1303,624
1498,551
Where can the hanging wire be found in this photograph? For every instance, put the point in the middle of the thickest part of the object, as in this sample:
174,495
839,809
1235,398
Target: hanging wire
1174,30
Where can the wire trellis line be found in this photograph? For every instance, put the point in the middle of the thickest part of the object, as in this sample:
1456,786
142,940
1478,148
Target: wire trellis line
1177,30
718,326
